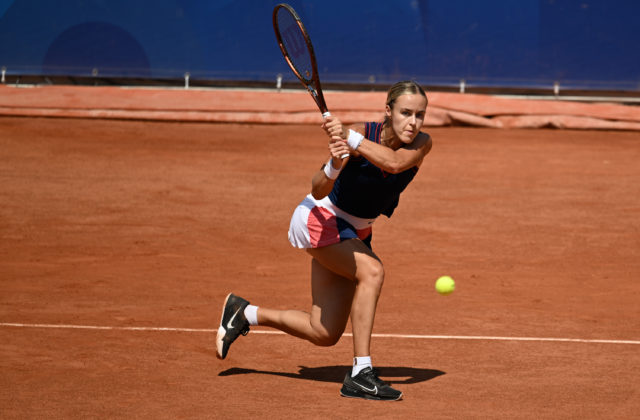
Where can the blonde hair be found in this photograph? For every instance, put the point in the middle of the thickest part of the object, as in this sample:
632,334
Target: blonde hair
406,87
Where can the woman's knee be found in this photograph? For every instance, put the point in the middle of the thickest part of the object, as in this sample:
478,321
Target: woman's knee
371,274
327,341
325,338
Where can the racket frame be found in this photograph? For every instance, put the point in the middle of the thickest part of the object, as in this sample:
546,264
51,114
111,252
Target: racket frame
312,84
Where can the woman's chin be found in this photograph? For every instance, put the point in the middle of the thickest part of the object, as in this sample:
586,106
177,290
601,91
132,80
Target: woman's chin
407,137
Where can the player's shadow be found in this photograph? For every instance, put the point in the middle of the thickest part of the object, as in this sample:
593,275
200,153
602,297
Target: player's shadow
392,375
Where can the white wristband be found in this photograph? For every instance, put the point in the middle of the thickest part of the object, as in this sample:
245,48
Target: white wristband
354,139
330,171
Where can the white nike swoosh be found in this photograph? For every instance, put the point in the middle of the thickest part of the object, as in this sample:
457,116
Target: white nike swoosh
232,318
374,390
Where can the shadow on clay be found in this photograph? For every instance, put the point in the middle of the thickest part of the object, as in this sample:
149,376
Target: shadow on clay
392,375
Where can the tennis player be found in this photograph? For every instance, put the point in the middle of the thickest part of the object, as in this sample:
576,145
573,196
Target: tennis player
333,224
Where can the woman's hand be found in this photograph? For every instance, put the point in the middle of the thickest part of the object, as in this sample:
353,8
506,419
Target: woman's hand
337,139
333,127
338,148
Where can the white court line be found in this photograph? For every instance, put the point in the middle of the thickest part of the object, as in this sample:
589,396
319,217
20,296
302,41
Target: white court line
255,331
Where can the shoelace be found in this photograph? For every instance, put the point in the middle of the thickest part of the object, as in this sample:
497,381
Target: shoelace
373,376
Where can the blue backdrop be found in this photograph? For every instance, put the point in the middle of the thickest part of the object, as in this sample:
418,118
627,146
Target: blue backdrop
580,43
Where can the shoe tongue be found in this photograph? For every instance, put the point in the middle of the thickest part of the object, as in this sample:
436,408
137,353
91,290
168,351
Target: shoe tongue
373,374
368,371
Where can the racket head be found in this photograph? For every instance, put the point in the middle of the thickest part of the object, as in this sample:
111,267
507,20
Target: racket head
297,49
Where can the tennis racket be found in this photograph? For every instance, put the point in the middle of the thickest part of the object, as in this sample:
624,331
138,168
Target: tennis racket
297,50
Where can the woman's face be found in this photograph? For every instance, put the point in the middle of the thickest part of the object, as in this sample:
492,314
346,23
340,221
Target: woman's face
407,116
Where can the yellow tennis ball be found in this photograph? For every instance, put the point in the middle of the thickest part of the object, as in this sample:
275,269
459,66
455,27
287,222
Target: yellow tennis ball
445,285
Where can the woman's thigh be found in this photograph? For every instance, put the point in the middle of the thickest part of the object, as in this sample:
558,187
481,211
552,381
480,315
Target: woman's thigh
348,258
333,282
332,296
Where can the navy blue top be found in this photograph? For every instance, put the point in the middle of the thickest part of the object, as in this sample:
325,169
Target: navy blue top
364,190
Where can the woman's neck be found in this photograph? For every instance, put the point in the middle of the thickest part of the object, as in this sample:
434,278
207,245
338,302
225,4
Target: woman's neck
388,137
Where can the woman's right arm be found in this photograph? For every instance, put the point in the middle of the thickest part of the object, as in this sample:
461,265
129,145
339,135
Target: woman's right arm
321,185
323,179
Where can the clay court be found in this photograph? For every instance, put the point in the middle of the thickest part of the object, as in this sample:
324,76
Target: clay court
121,238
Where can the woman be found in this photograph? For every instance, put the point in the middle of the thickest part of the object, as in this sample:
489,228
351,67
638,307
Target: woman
370,164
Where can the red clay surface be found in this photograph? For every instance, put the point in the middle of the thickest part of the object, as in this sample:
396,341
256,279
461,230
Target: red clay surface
151,224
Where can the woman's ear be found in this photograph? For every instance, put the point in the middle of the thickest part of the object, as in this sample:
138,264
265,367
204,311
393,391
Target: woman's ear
387,111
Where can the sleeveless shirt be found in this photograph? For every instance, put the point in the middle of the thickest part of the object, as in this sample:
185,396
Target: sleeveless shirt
364,190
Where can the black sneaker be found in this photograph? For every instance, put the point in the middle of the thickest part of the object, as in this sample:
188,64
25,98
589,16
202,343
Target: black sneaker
367,385
232,324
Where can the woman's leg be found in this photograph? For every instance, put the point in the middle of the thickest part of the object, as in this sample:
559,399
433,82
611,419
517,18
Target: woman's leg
352,259
331,294
345,278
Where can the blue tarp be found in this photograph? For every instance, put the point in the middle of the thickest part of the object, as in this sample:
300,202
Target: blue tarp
585,43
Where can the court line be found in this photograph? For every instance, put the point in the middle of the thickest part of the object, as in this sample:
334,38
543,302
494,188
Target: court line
256,331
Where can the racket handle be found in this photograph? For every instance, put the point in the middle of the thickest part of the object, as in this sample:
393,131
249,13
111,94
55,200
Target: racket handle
328,114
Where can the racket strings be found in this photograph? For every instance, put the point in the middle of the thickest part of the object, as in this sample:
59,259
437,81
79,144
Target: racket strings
295,44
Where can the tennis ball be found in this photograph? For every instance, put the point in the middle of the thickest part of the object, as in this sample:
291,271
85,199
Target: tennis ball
445,285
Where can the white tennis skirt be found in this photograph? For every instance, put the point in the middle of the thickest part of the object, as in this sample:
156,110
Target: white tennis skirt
318,223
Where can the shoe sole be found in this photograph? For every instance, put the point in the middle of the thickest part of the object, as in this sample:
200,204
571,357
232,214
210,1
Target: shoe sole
221,331
352,393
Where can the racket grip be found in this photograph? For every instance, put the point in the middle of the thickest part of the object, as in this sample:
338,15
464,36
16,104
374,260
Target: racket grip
328,114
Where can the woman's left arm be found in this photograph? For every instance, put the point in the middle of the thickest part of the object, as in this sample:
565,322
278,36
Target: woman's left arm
395,161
